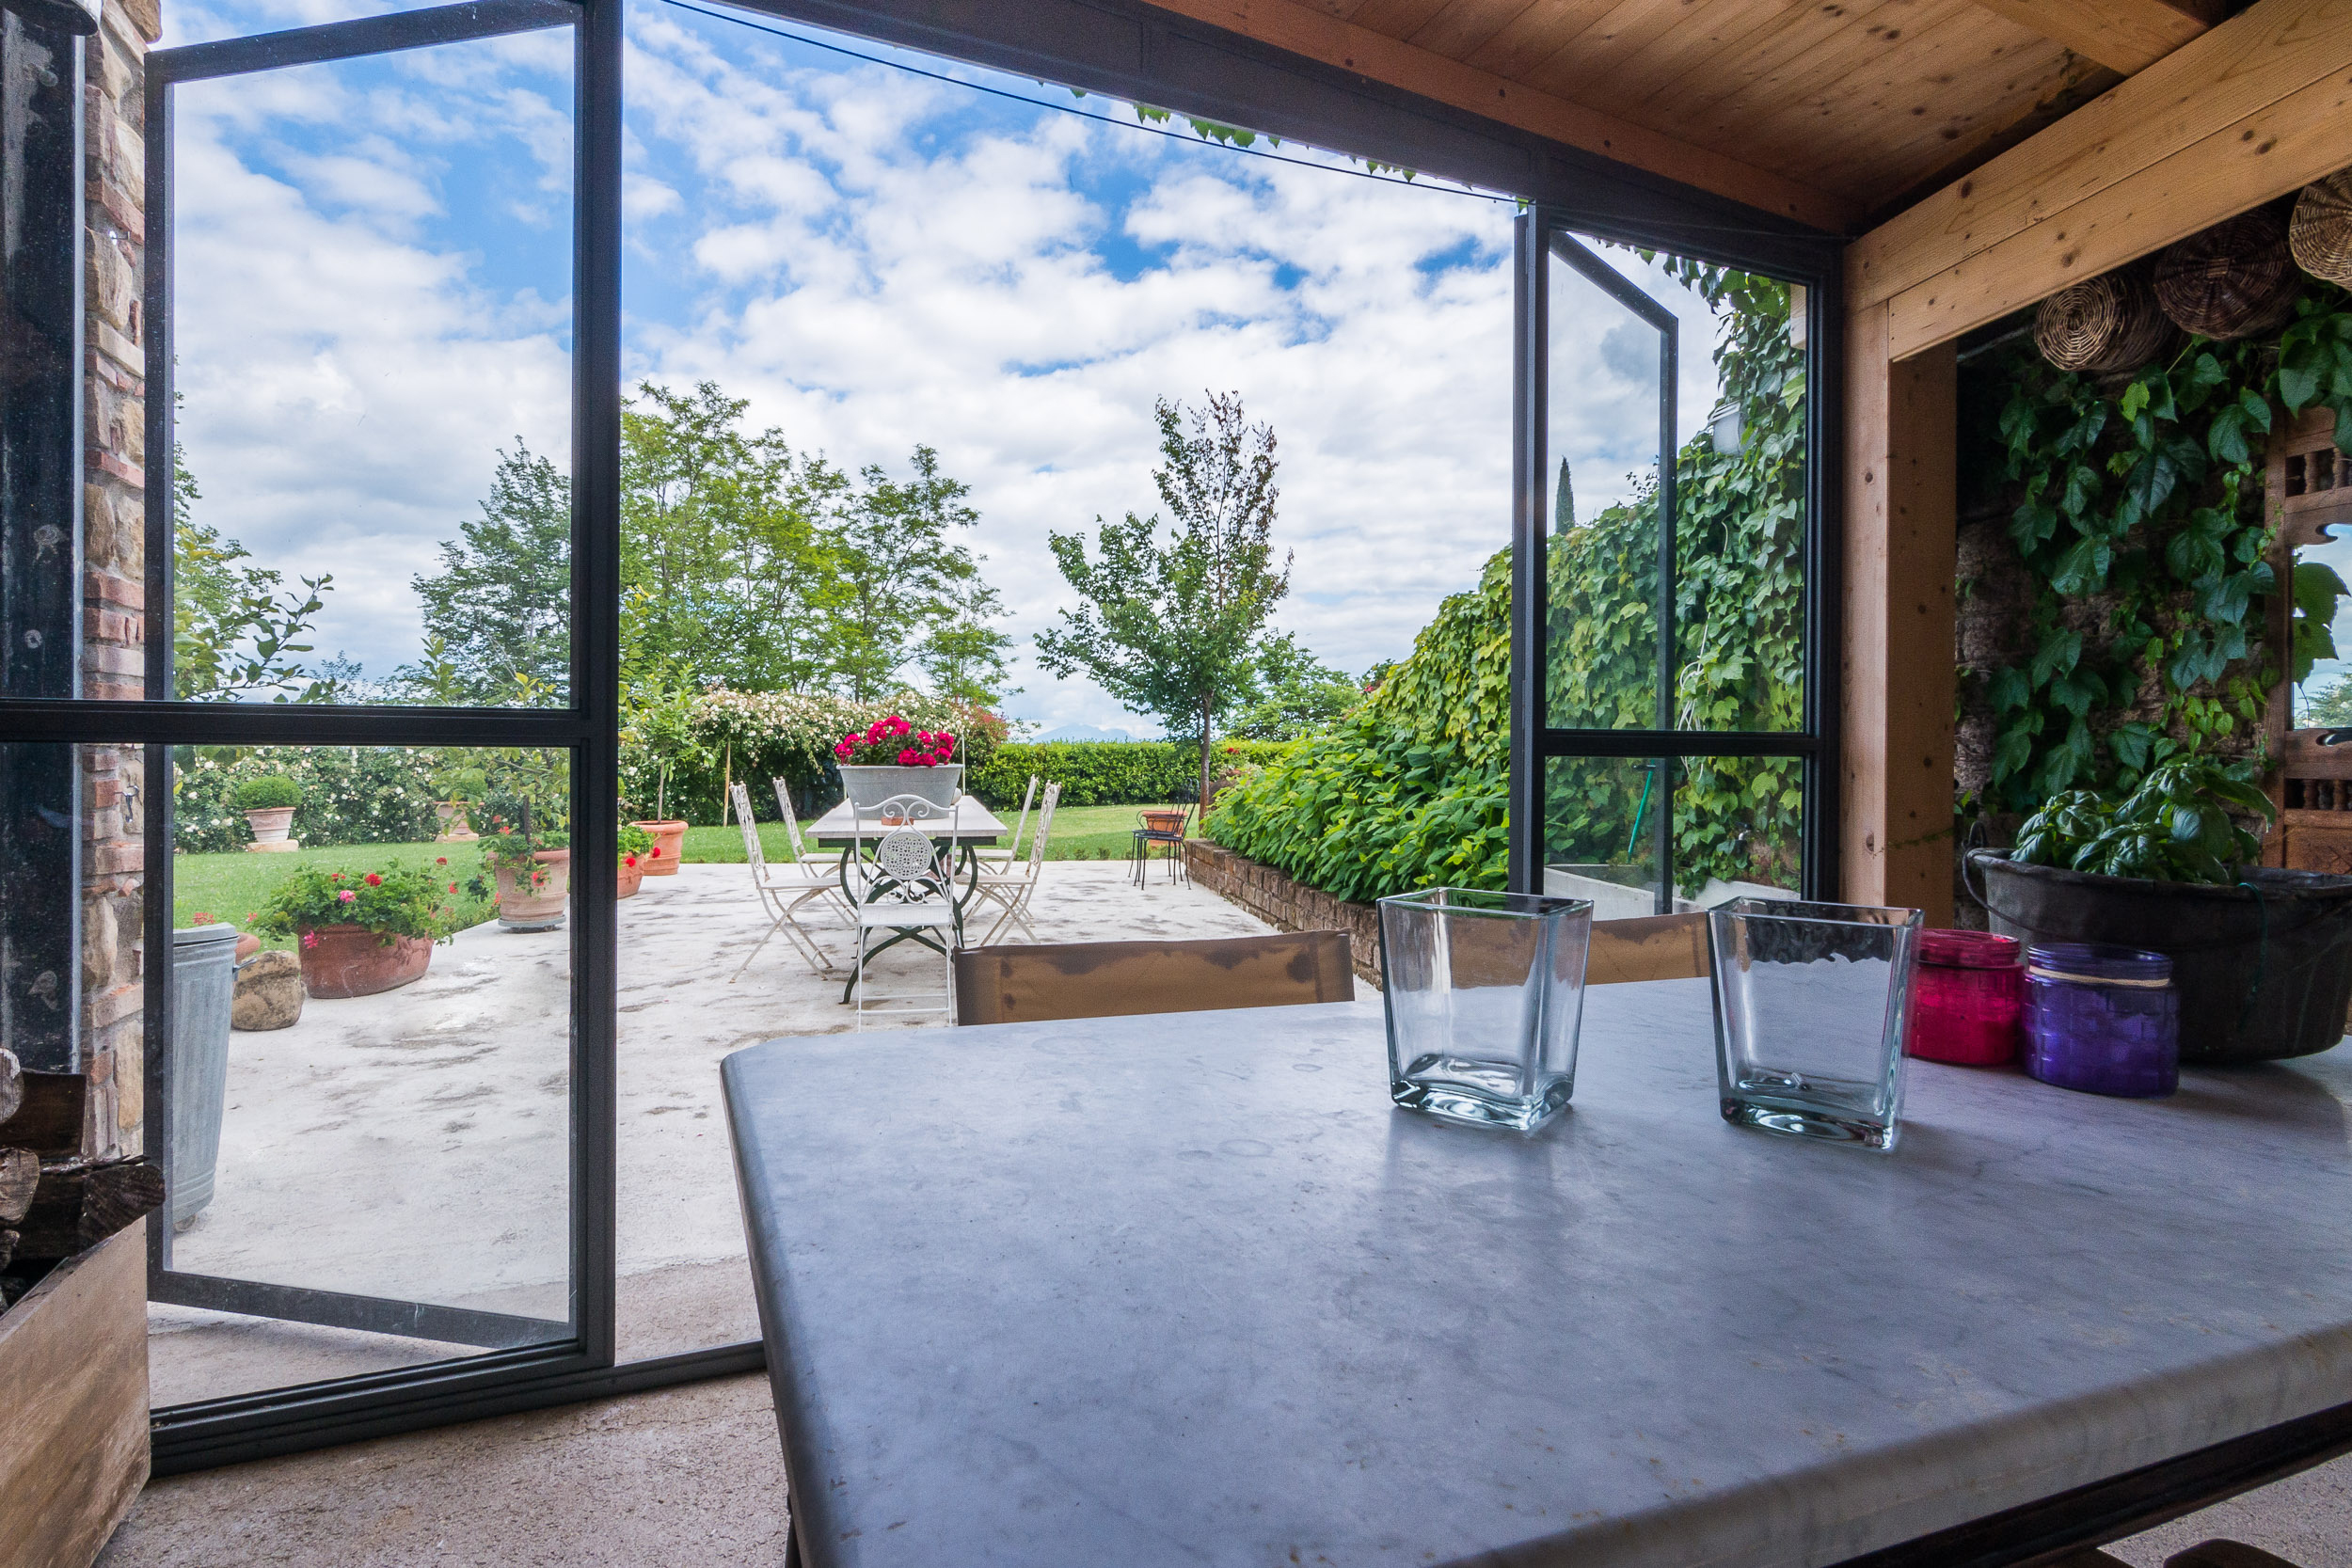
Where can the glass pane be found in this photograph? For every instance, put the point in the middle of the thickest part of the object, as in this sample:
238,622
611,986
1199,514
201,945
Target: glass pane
1601,456
1601,831
368,1131
372,264
1741,407
1737,830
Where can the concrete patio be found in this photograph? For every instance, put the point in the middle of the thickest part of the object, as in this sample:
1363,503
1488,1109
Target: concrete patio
416,1145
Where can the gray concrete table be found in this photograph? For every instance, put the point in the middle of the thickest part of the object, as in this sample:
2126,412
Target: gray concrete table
1185,1289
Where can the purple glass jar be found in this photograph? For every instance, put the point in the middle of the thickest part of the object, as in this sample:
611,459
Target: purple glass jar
2104,1020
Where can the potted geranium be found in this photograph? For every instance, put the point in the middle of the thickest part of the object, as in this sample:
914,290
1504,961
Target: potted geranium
637,848
268,804
359,932
891,757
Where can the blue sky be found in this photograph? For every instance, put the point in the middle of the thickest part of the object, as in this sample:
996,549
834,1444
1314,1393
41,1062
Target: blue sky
373,264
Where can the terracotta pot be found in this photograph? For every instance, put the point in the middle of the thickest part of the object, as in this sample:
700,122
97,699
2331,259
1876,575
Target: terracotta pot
269,831
456,828
352,961
632,877
521,908
669,842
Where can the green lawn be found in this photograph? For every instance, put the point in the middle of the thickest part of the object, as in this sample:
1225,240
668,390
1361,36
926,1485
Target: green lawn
233,887
1080,834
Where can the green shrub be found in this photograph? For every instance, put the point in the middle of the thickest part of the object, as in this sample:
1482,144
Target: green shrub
390,902
349,795
267,793
1108,773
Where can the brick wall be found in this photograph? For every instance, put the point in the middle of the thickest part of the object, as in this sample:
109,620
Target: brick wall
114,429
1284,904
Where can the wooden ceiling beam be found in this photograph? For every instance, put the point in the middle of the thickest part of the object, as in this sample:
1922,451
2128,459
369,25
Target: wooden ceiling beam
1315,35
2128,35
2255,108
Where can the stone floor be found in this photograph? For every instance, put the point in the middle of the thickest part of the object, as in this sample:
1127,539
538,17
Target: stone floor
416,1145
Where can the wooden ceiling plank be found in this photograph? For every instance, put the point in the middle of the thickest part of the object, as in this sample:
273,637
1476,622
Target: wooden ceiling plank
2237,70
1813,44
2128,35
1960,122
2283,146
1534,36
1461,25
1396,19
1644,50
1950,60
1304,31
1817,54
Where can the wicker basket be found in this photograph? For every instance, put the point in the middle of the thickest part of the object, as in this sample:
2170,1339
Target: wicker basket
2320,234
2109,323
2233,280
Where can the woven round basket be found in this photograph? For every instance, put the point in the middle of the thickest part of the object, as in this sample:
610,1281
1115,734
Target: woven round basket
2109,323
2320,233
2233,280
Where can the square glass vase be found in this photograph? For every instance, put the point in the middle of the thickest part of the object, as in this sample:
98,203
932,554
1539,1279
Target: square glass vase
1812,1003
1484,993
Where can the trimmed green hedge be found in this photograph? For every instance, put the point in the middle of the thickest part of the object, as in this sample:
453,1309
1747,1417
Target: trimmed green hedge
1108,773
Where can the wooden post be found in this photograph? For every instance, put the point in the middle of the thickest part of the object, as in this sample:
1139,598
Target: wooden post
1895,826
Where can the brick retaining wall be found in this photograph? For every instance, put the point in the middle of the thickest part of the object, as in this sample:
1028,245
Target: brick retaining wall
1284,904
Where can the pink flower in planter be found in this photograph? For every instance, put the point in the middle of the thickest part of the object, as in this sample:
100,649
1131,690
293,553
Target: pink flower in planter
310,939
348,896
906,757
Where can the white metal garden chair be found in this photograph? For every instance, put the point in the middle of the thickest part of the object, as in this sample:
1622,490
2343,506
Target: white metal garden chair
784,890
1005,856
908,893
1014,887
827,859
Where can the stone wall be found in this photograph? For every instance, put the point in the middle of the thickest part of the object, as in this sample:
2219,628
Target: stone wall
1284,904
114,432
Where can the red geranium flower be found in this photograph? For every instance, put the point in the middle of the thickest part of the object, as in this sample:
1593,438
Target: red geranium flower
374,880
334,875
453,887
440,860
310,939
655,852
626,860
906,758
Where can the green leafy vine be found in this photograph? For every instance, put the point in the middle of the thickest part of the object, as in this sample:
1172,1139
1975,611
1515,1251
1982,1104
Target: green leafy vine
2146,553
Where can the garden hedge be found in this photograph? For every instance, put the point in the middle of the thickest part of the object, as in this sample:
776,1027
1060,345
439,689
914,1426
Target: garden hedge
1108,773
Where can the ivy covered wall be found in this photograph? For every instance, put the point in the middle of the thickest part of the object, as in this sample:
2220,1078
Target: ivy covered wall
2113,573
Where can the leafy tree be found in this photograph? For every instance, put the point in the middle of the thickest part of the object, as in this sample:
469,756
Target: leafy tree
1296,693
499,606
965,655
1171,628
895,572
234,626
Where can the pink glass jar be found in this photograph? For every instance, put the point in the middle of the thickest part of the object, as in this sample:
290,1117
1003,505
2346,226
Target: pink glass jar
1967,997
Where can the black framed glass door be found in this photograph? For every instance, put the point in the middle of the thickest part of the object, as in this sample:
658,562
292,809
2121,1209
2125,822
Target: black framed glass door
381,270
1668,731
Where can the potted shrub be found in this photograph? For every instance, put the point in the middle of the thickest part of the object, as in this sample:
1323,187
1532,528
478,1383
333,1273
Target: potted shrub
459,787
2261,958
533,874
268,804
359,932
891,757
636,846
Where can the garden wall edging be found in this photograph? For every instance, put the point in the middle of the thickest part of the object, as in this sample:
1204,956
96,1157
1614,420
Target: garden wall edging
1287,905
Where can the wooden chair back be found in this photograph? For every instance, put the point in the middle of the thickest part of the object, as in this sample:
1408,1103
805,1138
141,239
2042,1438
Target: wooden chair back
1654,947
1120,979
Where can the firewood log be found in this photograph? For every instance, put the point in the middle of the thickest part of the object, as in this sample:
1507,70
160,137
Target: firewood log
11,1083
49,1122
20,1175
81,1203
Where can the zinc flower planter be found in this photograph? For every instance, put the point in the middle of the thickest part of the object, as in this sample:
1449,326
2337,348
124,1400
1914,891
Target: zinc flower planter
668,842
342,961
524,908
270,825
868,787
